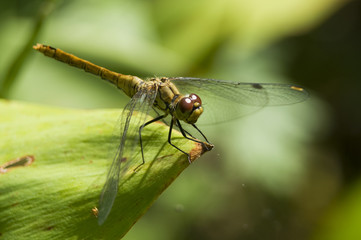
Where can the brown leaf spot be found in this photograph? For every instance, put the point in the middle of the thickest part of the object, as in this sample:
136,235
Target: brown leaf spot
18,162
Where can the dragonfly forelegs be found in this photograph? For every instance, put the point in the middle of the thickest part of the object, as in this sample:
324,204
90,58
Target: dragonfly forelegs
193,138
185,131
200,133
155,110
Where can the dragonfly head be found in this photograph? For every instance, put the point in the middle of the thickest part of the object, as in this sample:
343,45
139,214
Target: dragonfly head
189,108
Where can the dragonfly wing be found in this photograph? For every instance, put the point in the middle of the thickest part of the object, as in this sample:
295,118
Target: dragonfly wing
140,104
224,100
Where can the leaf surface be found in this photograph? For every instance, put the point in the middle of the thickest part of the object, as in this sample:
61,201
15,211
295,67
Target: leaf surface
53,196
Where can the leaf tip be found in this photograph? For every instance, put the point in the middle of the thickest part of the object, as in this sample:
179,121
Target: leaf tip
200,149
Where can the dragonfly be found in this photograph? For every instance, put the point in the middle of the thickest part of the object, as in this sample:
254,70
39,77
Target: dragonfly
185,99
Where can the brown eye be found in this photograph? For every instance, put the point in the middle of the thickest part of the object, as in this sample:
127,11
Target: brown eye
195,98
185,104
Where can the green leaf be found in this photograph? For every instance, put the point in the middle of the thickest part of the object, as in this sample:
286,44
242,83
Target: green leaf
53,197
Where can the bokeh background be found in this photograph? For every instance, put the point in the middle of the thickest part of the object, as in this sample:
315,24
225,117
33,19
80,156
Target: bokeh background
289,172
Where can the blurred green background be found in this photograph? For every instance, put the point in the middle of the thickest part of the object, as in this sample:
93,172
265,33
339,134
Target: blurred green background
288,172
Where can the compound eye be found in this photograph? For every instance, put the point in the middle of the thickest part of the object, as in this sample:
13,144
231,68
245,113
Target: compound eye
185,105
195,98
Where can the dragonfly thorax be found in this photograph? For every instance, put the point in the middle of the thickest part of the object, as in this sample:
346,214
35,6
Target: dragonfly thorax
188,108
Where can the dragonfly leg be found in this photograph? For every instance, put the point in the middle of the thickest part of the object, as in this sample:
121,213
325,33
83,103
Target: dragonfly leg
200,132
185,135
193,138
155,110
185,131
170,141
140,135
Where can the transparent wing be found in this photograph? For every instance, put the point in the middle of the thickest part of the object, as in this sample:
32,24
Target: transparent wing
223,100
139,105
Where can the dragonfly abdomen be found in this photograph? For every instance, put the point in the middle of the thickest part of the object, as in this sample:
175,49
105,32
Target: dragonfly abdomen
127,83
